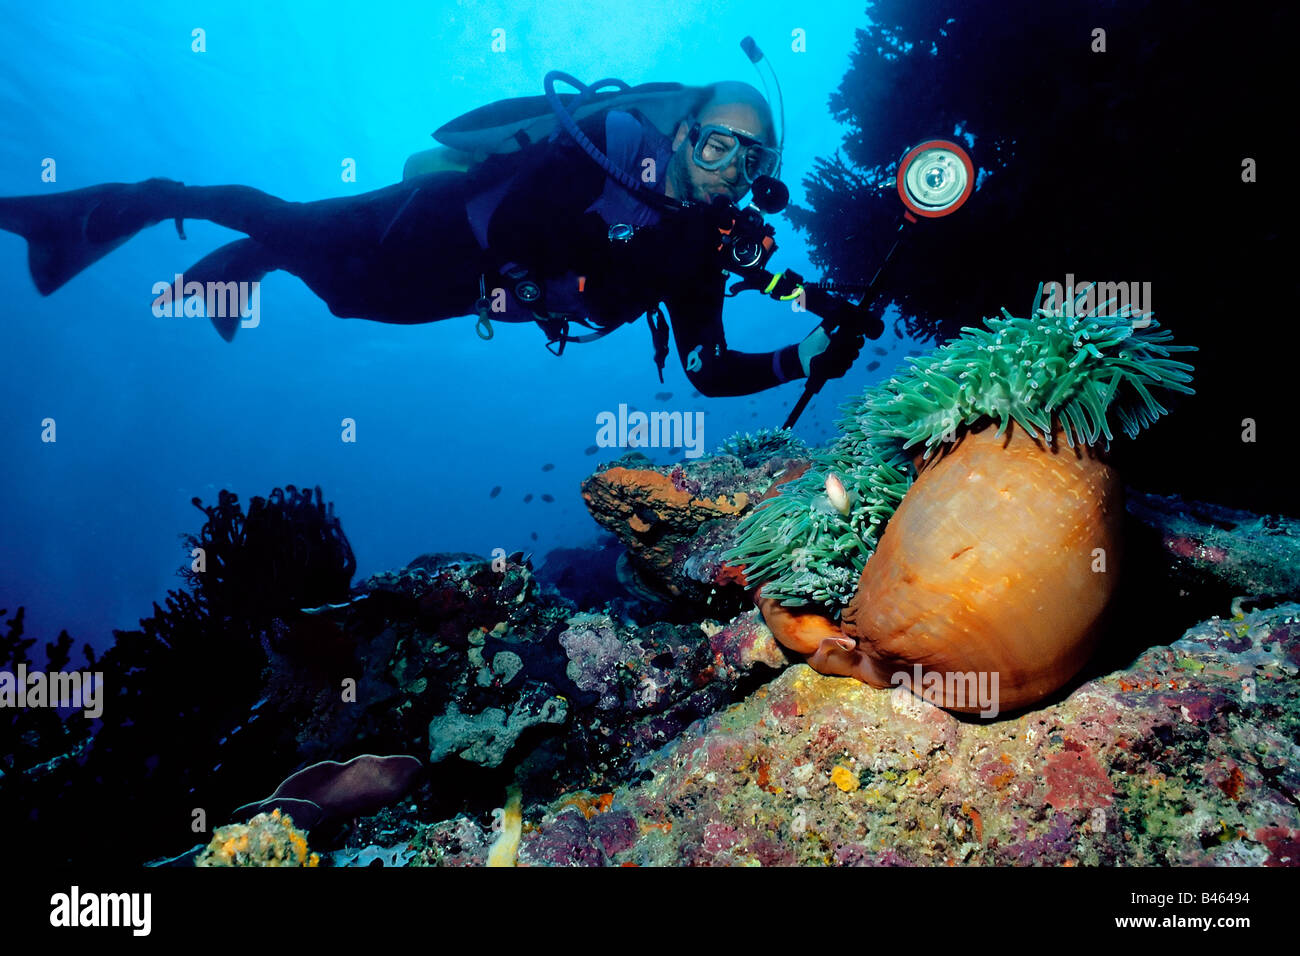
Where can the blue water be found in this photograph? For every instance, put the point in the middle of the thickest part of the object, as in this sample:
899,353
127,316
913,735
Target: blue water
151,412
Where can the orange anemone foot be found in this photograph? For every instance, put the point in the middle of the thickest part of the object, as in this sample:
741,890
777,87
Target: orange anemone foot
802,632
844,657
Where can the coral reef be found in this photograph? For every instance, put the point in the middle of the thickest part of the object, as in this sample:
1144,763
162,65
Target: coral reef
549,697
676,523
486,737
1183,758
663,742
468,661
1251,555
269,839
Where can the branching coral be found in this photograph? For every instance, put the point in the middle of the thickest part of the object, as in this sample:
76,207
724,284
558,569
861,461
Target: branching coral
1073,372
288,552
184,722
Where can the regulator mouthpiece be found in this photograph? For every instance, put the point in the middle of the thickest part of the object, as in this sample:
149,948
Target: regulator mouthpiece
769,194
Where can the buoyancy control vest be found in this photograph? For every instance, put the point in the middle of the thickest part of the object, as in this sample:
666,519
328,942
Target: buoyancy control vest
557,302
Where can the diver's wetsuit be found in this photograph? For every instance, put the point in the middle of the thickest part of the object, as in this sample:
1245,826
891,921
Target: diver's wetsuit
545,221
408,253
401,254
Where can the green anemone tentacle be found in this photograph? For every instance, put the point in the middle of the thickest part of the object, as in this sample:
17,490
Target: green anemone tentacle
1076,372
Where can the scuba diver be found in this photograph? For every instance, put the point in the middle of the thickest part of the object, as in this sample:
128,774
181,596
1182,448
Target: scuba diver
595,224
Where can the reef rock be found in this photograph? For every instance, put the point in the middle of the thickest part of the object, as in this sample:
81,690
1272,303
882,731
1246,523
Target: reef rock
677,522
475,666
1186,757
486,737
1249,555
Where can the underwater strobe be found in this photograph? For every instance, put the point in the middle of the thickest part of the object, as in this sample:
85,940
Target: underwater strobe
935,178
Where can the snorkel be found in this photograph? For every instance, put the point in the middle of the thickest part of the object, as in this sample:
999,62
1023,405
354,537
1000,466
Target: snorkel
757,58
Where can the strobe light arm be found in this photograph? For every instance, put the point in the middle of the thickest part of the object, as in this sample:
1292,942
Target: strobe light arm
935,178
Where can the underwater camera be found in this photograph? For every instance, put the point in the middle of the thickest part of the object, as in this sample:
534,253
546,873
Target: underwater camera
747,239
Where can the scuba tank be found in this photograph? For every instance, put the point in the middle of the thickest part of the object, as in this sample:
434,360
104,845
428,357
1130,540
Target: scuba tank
440,159
508,125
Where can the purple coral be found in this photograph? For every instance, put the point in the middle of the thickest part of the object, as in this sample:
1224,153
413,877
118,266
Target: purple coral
682,483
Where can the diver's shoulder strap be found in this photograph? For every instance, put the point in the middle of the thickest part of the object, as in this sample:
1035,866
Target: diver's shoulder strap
634,146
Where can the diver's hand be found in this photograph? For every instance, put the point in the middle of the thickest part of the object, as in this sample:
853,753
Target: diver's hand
829,356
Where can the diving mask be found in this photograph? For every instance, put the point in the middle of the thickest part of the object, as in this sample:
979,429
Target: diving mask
716,147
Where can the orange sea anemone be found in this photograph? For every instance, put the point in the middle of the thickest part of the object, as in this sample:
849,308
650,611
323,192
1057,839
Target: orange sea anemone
996,557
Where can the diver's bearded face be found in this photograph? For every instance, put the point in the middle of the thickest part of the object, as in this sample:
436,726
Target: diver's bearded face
705,184
692,182
689,182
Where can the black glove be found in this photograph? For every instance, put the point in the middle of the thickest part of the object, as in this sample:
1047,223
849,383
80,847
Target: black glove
829,356
840,313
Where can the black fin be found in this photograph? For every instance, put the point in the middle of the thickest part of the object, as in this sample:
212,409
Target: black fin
244,260
56,226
